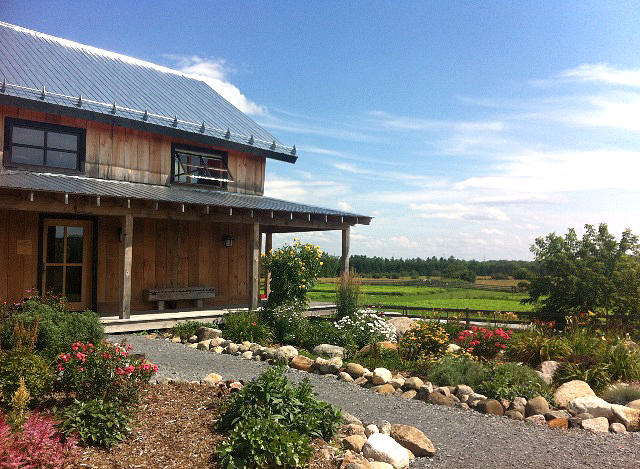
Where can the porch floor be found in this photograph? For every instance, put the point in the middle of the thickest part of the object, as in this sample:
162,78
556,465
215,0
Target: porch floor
150,320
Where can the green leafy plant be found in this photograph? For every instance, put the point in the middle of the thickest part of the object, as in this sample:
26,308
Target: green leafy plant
96,422
621,393
186,329
366,327
57,327
271,396
103,371
323,332
425,340
536,344
454,370
246,325
484,342
347,295
583,368
509,380
22,363
623,360
256,443
381,357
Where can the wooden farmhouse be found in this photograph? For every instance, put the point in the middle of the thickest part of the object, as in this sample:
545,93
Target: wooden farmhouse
129,187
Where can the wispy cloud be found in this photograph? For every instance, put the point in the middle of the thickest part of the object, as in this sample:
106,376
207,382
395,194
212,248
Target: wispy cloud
215,72
388,120
407,178
604,73
459,212
311,191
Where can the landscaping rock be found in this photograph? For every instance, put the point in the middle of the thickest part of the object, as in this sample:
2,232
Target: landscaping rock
592,405
176,339
505,403
440,399
353,460
355,370
402,324
536,406
193,339
248,355
490,406
627,416
547,369
370,430
444,390
361,381
352,429
536,419
354,443
204,344
514,414
413,383
381,447
348,418
216,350
346,377
576,422
212,379
192,345
286,352
385,389
384,427
463,390
634,404
216,342
474,399
397,382
204,333
557,414
571,390
410,394
561,422
328,367
598,425
381,376
380,465
302,363
232,348
268,353
328,350
413,439
617,428
462,405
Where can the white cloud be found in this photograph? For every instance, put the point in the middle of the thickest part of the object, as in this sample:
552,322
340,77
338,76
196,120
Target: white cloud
214,72
459,212
345,206
411,123
493,231
403,242
315,192
604,73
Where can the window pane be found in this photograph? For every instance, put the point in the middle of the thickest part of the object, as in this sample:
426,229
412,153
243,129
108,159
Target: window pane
28,136
74,284
74,243
62,159
53,279
62,141
26,155
55,244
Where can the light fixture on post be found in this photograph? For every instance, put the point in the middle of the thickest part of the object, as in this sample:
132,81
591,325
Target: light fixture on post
228,240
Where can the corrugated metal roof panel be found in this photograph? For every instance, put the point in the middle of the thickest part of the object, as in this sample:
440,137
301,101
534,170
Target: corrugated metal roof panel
34,60
61,183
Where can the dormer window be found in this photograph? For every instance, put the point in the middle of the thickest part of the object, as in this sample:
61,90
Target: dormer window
38,145
192,165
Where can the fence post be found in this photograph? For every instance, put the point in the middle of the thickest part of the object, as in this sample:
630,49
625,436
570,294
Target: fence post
468,317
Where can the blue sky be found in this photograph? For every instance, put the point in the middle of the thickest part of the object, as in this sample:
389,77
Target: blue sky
464,128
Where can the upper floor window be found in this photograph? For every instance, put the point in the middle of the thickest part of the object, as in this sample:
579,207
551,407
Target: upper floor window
37,144
192,165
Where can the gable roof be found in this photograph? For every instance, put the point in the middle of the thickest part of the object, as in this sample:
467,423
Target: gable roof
53,74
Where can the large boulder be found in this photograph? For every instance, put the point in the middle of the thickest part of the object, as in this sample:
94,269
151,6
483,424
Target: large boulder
598,425
571,390
414,383
328,350
302,363
592,405
381,447
627,416
547,369
204,333
441,399
381,376
286,352
490,406
634,404
355,370
413,439
536,406
354,443
402,324
328,367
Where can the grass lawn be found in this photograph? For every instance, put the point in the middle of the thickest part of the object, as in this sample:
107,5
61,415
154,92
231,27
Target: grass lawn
429,297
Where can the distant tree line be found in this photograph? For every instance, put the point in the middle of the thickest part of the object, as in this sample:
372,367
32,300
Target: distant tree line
433,267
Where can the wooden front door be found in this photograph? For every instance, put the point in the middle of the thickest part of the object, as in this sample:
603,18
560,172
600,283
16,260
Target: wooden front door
67,254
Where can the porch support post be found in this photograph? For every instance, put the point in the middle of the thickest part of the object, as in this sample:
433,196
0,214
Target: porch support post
344,260
268,245
125,273
254,266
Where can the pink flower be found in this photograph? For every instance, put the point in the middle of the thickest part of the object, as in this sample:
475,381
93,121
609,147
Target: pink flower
130,369
154,368
60,367
119,371
81,356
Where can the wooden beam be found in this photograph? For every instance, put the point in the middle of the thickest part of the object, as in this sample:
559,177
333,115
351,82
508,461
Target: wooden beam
268,245
254,266
125,273
344,260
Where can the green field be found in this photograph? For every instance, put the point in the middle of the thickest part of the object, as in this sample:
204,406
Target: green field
428,297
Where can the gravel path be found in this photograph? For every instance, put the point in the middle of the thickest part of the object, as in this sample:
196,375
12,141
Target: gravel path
464,439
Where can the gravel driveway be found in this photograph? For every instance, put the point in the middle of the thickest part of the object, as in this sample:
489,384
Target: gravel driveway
464,439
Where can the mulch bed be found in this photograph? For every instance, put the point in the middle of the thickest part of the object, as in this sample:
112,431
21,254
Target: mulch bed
174,429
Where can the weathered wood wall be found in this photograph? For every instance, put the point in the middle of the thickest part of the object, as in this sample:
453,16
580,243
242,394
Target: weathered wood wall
114,152
18,254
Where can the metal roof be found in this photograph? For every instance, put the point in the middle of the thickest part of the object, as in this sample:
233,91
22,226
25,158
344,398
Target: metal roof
62,183
48,70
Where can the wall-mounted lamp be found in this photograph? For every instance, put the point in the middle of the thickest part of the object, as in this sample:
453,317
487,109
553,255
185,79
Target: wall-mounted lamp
228,240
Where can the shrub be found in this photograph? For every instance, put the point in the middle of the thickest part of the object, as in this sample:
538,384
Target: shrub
366,327
37,445
513,380
425,340
583,368
96,422
294,269
263,444
246,325
455,370
347,295
186,329
271,396
24,363
287,323
57,327
621,394
483,342
381,357
323,332
103,371
535,345
624,361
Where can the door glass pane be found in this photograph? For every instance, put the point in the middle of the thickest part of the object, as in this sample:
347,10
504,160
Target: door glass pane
55,244
74,284
74,243
28,136
54,279
62,159
26,155
62,141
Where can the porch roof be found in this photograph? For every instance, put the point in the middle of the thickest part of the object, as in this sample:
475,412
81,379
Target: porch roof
67,184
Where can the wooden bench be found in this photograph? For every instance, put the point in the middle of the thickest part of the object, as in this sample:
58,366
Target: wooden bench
196,294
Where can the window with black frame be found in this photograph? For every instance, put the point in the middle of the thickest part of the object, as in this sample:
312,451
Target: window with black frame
200,166
36,144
